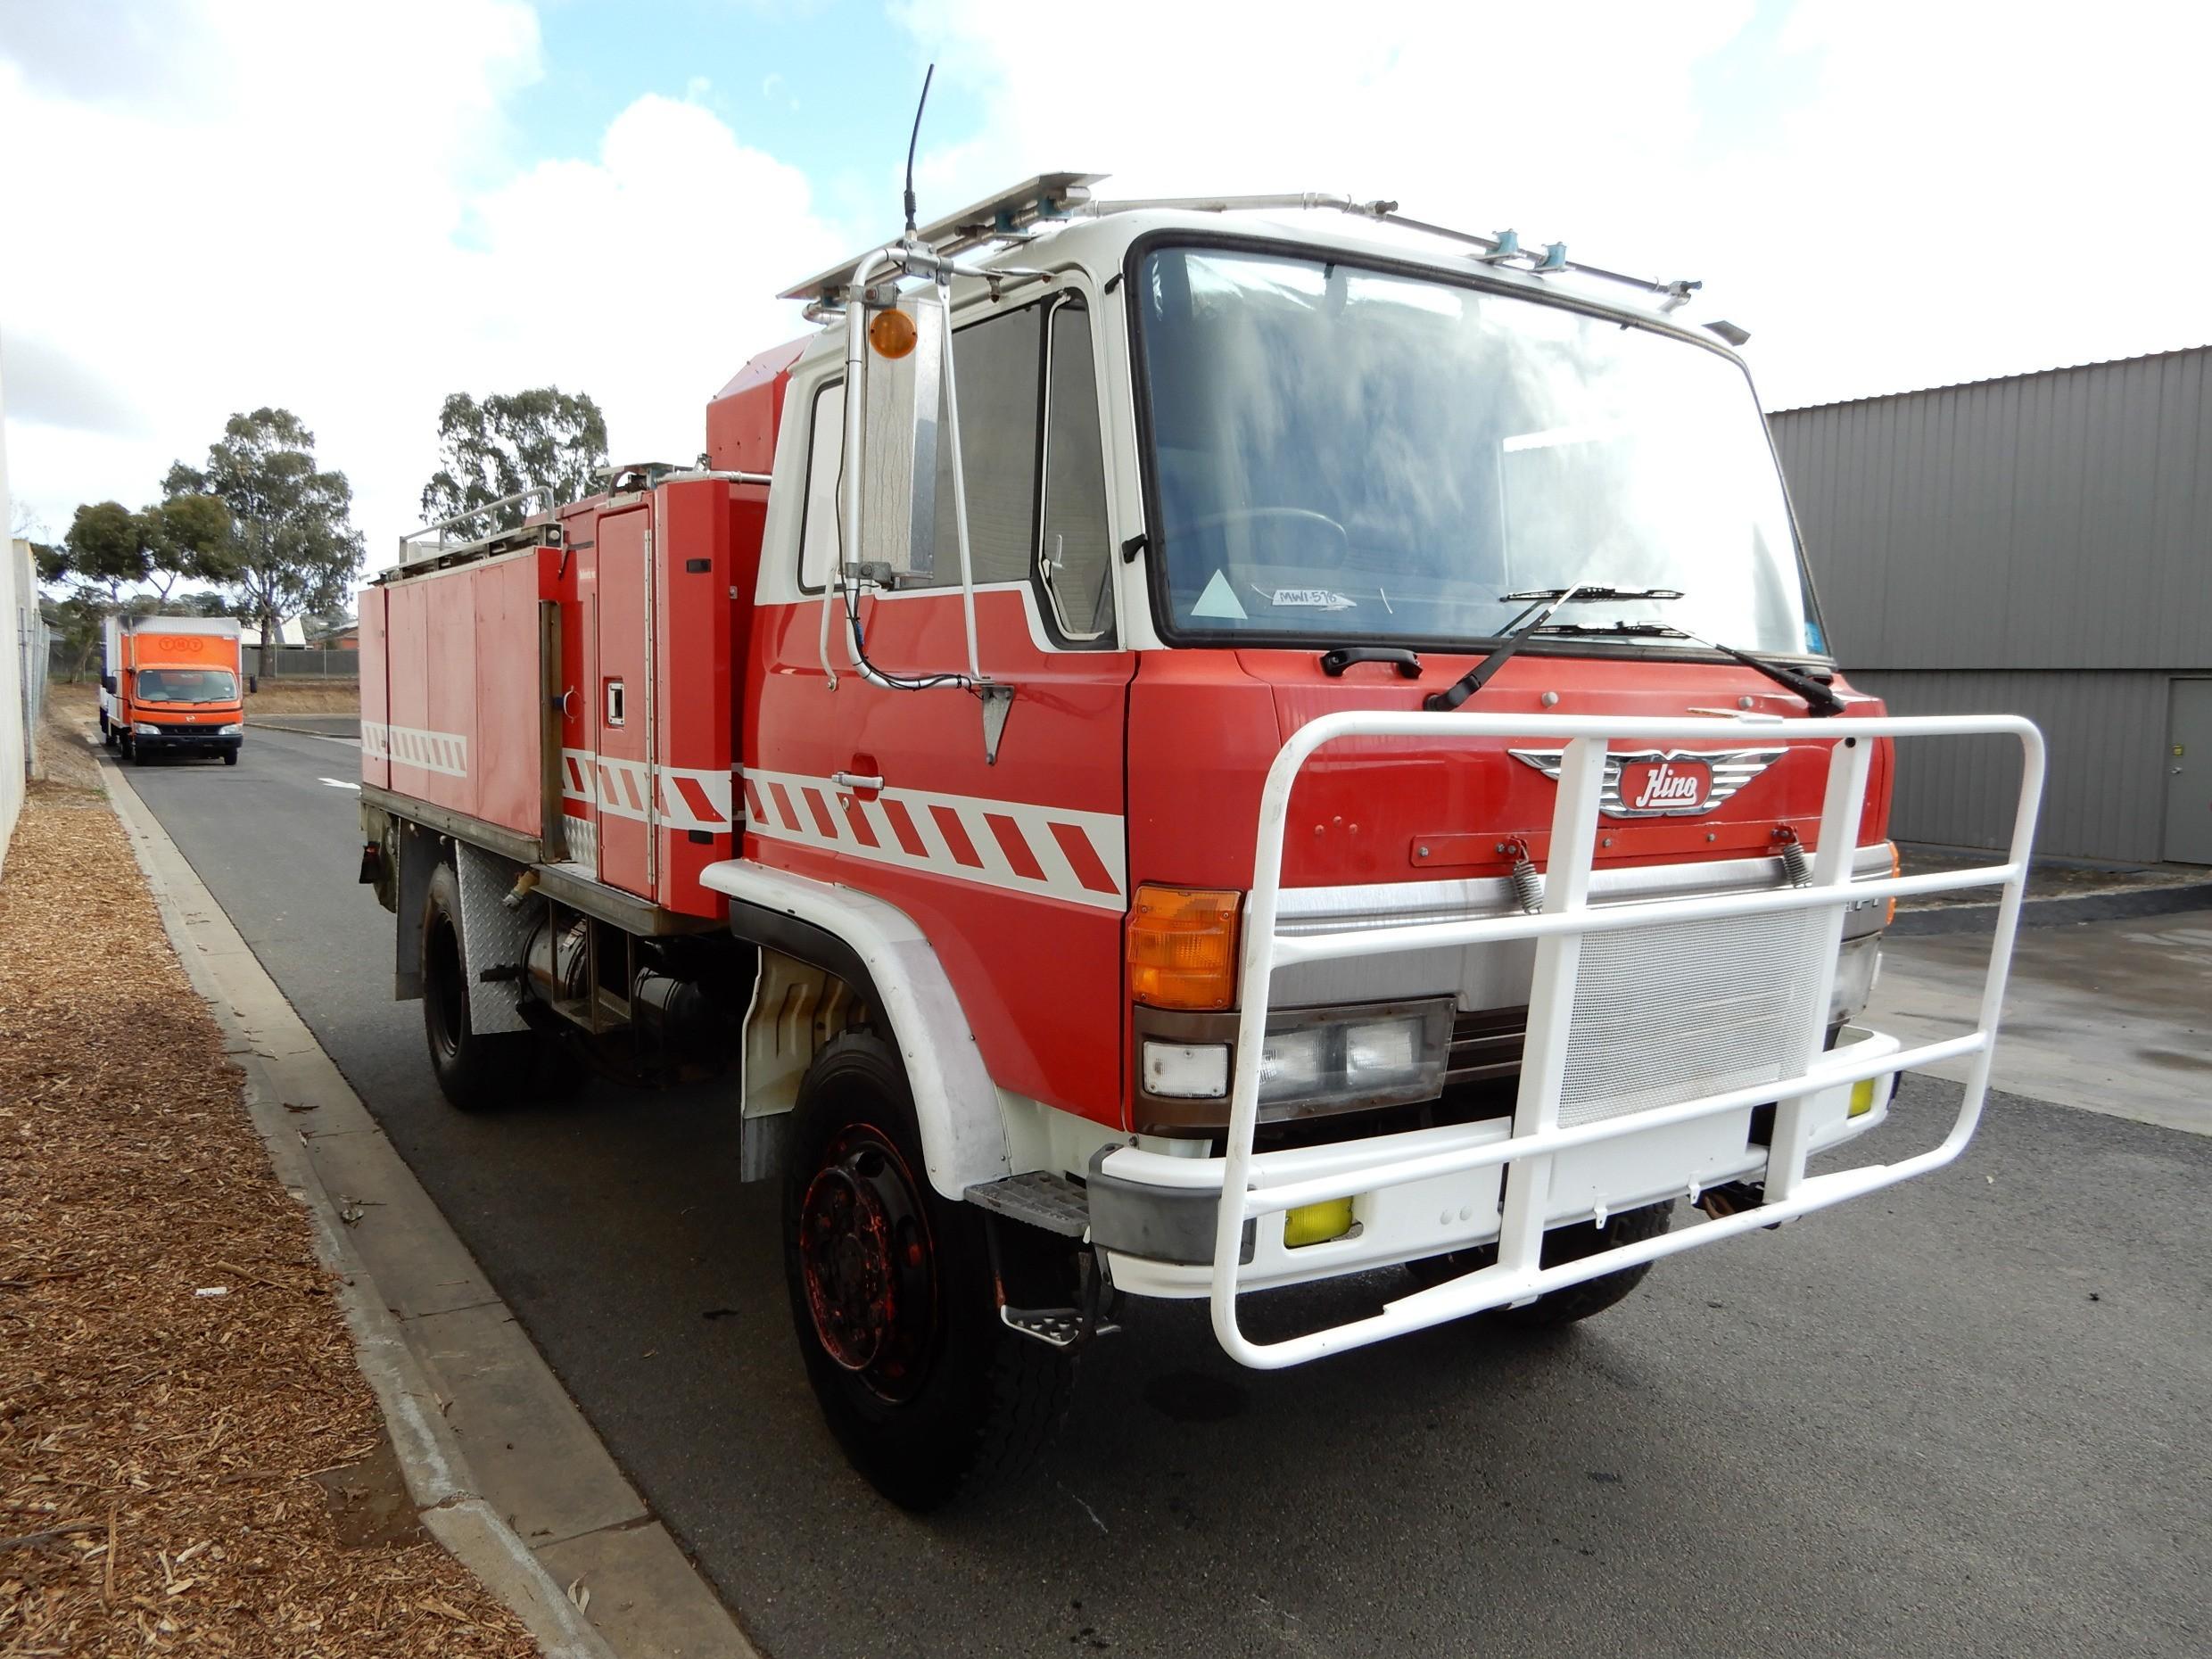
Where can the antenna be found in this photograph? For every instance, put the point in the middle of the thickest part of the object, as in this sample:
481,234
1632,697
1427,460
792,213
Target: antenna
928,76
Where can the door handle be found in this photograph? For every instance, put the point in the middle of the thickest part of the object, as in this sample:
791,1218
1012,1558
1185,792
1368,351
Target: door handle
854,781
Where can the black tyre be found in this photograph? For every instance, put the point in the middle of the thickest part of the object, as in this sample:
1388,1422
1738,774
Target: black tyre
476,1071
1563,1245
134,752
892,1295
230,757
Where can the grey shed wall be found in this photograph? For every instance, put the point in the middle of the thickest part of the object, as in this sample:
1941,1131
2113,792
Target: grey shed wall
2040,545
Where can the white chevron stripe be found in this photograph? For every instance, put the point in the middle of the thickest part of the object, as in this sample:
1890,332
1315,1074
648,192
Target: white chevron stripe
618,788
445,752
1032,824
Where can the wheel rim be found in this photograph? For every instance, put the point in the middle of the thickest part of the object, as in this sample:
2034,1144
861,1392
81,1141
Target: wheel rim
448,1012
868,1264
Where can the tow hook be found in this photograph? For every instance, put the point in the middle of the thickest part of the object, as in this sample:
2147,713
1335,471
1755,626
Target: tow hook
1733,1197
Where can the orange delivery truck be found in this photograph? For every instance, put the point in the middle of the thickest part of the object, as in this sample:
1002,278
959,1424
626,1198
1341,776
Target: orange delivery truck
170,685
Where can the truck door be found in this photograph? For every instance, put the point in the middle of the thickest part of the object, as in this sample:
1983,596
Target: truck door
620,700
1014,867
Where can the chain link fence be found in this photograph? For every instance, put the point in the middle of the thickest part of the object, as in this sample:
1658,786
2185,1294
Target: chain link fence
294,662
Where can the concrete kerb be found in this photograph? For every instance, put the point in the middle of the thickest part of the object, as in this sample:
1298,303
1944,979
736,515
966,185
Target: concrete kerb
2059,909
439,1480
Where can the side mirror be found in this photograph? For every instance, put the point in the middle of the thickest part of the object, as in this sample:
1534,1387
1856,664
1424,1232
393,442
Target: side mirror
107,684
901,429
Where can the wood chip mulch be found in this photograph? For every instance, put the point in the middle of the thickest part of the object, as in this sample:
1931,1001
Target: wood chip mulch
174,1367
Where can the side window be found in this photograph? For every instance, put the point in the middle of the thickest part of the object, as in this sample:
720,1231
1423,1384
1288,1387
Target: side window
825,446
995,366
1076,557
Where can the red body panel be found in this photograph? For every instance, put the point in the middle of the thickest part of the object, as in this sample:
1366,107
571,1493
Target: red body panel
621,704
1024,907
455,688
456,713
741,421
375,682
1207,724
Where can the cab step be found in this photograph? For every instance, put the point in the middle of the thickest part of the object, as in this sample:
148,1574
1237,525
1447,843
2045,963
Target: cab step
1038,1199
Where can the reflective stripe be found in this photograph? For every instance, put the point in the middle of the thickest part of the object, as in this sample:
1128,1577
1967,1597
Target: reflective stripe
1051,851
687,797
445,752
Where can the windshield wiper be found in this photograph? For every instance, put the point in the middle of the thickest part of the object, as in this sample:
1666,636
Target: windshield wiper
1818,699
1541,603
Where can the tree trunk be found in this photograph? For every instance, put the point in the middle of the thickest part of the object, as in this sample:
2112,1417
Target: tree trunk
269,643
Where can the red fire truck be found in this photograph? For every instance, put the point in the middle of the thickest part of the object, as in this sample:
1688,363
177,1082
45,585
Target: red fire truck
1181,749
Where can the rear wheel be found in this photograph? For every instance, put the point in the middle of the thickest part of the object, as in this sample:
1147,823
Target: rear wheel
476,1071
892,1296
1563,1245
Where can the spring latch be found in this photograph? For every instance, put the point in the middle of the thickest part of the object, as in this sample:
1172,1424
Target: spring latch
1796,865
1527,883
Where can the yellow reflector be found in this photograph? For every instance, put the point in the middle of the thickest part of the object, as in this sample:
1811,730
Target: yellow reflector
1862,1097
1896,868
1316,1224
1183,948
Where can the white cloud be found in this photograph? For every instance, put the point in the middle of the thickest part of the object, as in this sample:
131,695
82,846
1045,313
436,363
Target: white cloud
1889,194
340,227
213,205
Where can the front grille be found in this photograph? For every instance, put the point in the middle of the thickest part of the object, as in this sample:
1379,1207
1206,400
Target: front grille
1669,1013
186,731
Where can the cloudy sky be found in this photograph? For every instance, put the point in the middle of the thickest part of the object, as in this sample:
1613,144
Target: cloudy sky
352,209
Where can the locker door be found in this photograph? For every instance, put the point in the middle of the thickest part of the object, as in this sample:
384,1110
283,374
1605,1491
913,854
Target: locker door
621,701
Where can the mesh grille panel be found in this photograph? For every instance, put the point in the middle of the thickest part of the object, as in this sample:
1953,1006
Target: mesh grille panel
1670,1013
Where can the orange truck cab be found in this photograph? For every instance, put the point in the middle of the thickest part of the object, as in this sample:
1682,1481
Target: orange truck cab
1176,750
170,685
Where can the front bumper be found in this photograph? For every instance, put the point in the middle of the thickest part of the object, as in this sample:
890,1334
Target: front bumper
188,745
1154,1215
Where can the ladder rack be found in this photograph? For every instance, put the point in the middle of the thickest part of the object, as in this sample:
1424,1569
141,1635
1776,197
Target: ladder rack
1033,208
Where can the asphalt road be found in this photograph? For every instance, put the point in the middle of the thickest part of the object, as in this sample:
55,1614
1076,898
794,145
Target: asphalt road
1964,1416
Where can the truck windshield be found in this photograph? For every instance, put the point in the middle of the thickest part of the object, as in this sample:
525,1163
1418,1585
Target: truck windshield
1351,455
186,685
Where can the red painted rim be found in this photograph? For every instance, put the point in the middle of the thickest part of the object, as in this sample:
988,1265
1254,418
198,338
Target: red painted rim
868,1264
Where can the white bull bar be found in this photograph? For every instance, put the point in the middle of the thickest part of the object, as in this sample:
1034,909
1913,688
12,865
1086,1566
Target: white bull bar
1559,929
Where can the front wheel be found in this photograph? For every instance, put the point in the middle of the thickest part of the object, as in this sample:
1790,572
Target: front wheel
928,1391
1563,1245
230,757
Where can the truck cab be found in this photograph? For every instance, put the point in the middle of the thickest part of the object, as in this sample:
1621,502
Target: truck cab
1268,743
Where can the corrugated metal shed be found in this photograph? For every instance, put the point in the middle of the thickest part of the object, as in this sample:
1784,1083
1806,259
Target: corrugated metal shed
2056,520
2041,544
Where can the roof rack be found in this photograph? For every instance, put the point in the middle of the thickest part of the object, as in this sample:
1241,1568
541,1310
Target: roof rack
1030,209
510,522
1010,216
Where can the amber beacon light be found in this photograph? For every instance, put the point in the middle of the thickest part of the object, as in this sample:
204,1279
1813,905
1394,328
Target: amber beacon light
892,334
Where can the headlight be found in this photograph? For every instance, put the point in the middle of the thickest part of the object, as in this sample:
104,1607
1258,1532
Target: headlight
230,732
143,730
1380,1057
